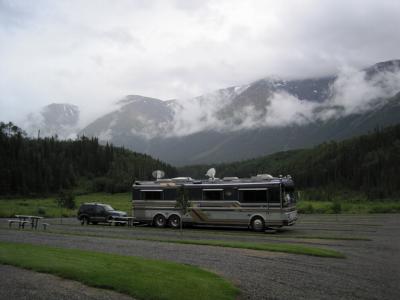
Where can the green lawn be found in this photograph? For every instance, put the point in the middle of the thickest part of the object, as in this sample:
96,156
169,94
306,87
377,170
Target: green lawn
138,277
349,207
47,207
272,247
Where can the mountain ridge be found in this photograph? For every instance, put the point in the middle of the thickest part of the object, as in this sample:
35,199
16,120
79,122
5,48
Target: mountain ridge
246,121
265,116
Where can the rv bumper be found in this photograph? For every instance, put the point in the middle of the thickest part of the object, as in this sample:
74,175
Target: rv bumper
291,218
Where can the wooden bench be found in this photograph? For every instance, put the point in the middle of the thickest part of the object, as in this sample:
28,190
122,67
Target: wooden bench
26,219
21,223
10,222
45,225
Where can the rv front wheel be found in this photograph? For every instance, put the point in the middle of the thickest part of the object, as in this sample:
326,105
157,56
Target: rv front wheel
257,224
159,221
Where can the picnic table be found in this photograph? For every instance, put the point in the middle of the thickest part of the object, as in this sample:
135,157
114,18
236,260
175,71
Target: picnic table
25,219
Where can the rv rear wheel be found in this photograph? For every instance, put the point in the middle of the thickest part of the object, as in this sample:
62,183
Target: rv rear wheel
159,221
174,221
257,224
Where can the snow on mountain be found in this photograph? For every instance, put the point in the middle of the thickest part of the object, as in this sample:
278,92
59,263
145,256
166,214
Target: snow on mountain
59,119
265,116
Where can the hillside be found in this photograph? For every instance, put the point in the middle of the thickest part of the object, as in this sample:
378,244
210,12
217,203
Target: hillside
368,164
250,120
47,165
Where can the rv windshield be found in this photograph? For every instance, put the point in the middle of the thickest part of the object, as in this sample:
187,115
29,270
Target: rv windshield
289,196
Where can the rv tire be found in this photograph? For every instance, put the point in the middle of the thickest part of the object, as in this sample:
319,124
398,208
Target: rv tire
257,224
174,221
159,221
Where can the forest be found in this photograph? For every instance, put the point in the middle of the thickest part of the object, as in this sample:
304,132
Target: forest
38,167
369,164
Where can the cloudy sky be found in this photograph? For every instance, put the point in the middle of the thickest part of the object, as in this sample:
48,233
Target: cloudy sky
92,53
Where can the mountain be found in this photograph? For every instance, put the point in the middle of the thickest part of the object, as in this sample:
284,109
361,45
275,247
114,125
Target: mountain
59,119
138,116
266,116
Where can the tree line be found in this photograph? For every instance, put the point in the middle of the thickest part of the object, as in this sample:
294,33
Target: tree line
47,165
368,164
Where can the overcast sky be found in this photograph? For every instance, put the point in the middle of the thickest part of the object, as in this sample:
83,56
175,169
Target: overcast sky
92,53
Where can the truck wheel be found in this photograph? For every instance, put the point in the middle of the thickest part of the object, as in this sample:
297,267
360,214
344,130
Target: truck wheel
85,220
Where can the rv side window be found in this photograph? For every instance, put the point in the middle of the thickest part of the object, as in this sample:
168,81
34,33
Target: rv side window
136,195
210,195
195,194
170,194
152,195
274,195
253,196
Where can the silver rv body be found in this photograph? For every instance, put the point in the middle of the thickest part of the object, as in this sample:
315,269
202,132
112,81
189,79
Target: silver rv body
257,202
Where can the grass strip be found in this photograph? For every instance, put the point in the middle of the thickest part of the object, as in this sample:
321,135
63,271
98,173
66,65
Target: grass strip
273,247
324,237
243,234
276,236
328,223
271,235
135,276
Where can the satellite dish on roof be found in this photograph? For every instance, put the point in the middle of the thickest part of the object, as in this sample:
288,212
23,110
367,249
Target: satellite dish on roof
158,174
211,173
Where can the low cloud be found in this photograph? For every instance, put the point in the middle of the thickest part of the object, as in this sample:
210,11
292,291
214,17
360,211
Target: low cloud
199,114
59,120
357,92
95,52
352,92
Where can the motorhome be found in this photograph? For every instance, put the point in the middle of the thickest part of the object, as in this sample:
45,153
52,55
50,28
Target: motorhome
258,202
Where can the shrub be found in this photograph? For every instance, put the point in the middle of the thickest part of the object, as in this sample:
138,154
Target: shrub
307,209
100,184
321,209
382,209
66,199
41,211
336,207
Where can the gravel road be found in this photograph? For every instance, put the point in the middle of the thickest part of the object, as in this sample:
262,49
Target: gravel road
370,271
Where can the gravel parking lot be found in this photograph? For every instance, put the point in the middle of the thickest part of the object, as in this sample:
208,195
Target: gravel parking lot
371,269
